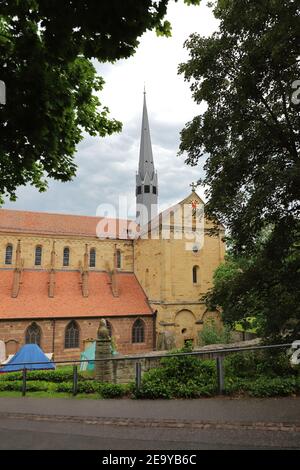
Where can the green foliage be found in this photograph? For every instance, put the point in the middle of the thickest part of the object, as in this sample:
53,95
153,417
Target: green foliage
46,53
58,375
252,364
104,390
250,139
179,377
264,285
263,386
213,334
254,373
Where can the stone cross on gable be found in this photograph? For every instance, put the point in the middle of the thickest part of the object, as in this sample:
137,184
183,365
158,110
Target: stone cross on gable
193,186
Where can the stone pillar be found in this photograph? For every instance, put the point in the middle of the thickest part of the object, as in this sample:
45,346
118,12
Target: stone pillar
103,369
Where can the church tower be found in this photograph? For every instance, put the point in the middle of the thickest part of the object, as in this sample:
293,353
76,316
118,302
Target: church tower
146,178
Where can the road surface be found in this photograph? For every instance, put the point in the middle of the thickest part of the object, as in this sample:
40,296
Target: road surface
216,423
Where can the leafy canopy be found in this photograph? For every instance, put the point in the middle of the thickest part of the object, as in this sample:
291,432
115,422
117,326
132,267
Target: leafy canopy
249,134
46,52
251,127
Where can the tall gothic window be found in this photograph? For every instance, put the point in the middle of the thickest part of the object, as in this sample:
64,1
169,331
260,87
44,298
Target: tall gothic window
72,335
195,274
138,331
38,256
92,258
8,254
119,259
66,259
33,334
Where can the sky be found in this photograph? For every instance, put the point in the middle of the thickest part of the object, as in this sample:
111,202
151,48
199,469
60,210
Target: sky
107,166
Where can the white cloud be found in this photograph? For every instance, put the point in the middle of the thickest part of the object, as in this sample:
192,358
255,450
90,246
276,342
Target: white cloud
107,166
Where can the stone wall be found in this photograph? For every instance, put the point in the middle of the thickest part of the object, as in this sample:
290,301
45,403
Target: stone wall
124,369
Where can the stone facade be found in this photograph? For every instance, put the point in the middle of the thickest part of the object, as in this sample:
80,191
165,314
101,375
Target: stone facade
105,250
12,332
163,268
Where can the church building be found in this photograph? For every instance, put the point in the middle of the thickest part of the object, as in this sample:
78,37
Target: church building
58,277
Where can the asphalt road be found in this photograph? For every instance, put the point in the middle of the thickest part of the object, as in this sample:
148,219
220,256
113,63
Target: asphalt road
149,425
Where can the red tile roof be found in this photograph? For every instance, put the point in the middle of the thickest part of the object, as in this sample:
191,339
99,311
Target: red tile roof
33,300
63,224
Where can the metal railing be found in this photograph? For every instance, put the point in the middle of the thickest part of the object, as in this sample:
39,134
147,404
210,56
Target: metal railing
218,353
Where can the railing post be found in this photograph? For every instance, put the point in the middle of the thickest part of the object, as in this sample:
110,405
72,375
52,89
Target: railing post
138,375
75,380
24,382
220,374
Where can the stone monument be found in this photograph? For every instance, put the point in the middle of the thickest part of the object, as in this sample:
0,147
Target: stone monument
103,369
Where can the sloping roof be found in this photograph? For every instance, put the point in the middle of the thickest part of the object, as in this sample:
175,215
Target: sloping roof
33,300
62,224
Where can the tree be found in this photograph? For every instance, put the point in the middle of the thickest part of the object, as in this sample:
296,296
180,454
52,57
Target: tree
250,135
264,285
251,128
46,52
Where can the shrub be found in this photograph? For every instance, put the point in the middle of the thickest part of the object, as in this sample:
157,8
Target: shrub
58,375
263,386
259,363
179,377
213,334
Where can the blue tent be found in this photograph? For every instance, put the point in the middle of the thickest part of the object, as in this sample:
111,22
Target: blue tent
27,354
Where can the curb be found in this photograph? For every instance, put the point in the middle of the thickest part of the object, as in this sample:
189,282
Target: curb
156,423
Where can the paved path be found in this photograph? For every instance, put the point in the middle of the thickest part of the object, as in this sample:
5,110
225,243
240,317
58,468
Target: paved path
216,423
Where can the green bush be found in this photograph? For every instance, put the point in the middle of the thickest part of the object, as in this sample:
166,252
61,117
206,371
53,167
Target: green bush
258,363
108,390
214,334
263,386
11,386
58,375
179,377
32,386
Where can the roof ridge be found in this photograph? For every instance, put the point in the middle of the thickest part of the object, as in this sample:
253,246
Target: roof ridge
63,214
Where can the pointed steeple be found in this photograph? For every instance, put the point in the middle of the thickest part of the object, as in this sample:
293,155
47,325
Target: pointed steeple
146,178
146,164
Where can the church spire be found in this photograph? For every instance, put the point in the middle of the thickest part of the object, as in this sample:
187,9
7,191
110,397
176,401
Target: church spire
146,179
146,157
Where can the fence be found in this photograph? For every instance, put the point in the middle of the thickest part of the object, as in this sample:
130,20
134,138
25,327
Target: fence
217,354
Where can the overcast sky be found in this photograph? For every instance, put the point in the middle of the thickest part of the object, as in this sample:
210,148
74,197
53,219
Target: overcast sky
107,166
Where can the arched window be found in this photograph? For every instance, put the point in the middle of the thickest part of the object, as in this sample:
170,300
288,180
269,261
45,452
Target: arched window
8,254
66,259
38,256
195,274
33,334
119,259
109,327
138,331
92,258
72,335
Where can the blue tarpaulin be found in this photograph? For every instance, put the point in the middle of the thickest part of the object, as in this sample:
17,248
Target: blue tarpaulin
27,354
